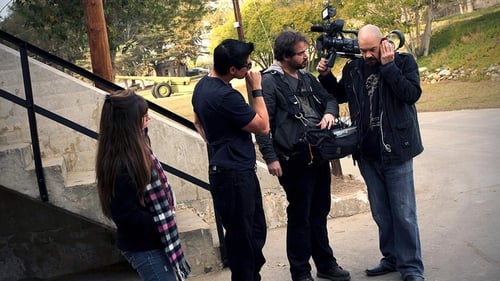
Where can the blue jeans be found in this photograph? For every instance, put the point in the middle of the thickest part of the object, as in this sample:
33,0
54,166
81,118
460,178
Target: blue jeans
151,265
391,194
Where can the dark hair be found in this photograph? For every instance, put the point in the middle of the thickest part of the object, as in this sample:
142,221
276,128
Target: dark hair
231,52
122,145
284,44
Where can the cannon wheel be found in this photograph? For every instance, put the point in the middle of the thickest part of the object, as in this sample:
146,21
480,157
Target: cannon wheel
162,90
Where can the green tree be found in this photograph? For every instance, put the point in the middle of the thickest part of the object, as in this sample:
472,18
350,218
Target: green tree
168,34
140,32
55,26
263,20
413,17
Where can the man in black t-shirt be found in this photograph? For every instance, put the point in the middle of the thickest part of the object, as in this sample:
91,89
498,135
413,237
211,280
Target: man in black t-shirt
225,121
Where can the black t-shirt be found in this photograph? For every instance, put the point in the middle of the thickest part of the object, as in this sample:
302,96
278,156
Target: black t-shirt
223,112
302,92
371,112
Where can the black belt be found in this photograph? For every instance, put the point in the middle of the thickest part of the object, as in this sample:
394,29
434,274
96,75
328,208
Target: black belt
213,169
217,169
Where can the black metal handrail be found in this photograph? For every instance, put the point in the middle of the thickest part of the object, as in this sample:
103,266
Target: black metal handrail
24,48
32,108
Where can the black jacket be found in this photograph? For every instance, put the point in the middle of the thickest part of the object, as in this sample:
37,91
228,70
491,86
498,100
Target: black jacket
285,128
399,88
136,229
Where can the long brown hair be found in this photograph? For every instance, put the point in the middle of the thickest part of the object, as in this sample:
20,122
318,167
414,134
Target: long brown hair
122,146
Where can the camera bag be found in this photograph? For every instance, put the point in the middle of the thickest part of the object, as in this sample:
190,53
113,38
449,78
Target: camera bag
315,143
328,144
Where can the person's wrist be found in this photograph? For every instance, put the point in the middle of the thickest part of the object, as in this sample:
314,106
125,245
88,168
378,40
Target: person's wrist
257,93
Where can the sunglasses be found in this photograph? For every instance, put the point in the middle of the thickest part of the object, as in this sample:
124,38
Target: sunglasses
248,66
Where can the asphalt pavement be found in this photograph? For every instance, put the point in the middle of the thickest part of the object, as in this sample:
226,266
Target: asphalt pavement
457,181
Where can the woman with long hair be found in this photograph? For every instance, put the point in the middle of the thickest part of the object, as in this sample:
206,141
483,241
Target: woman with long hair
134,191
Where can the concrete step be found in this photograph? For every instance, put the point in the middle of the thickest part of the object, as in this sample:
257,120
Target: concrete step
14,160
76,192
75,179
196,241
17,155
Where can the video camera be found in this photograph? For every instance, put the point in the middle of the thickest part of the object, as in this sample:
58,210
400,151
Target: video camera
333,40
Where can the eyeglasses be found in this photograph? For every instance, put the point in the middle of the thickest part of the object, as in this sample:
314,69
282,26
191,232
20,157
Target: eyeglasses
248,66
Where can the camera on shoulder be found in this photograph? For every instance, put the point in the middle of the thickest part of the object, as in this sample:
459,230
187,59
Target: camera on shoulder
334,40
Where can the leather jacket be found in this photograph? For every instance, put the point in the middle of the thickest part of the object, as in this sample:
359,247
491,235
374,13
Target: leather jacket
399,89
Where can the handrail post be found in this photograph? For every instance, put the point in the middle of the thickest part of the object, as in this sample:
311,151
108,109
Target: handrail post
30,107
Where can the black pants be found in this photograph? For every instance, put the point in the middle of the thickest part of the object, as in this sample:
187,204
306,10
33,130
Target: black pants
307,189
238,200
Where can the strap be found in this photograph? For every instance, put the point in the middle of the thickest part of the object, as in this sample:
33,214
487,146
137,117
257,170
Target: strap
293,102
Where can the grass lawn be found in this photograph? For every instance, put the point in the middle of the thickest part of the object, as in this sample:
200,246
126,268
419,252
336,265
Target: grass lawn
457,95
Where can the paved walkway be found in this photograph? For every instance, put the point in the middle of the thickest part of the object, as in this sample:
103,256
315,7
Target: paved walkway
458,194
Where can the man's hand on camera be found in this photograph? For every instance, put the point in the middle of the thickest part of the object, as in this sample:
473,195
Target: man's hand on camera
386,52
322,67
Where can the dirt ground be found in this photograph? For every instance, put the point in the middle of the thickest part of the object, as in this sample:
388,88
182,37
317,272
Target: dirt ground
346,185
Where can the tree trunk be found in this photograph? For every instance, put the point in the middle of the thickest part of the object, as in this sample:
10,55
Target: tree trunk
426,37
412,35
336,168
98,39
461,6
469,6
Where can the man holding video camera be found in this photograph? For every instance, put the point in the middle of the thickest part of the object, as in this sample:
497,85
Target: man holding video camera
381,89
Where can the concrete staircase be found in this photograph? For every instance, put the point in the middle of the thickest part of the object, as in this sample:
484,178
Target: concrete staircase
68,158
76,193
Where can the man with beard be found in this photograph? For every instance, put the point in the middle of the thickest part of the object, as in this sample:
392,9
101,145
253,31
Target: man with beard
381,89
294,101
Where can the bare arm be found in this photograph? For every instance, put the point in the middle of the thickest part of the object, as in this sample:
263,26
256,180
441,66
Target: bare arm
260,123
199,128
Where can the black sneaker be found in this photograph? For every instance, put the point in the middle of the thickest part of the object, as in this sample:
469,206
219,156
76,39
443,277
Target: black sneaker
335,274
